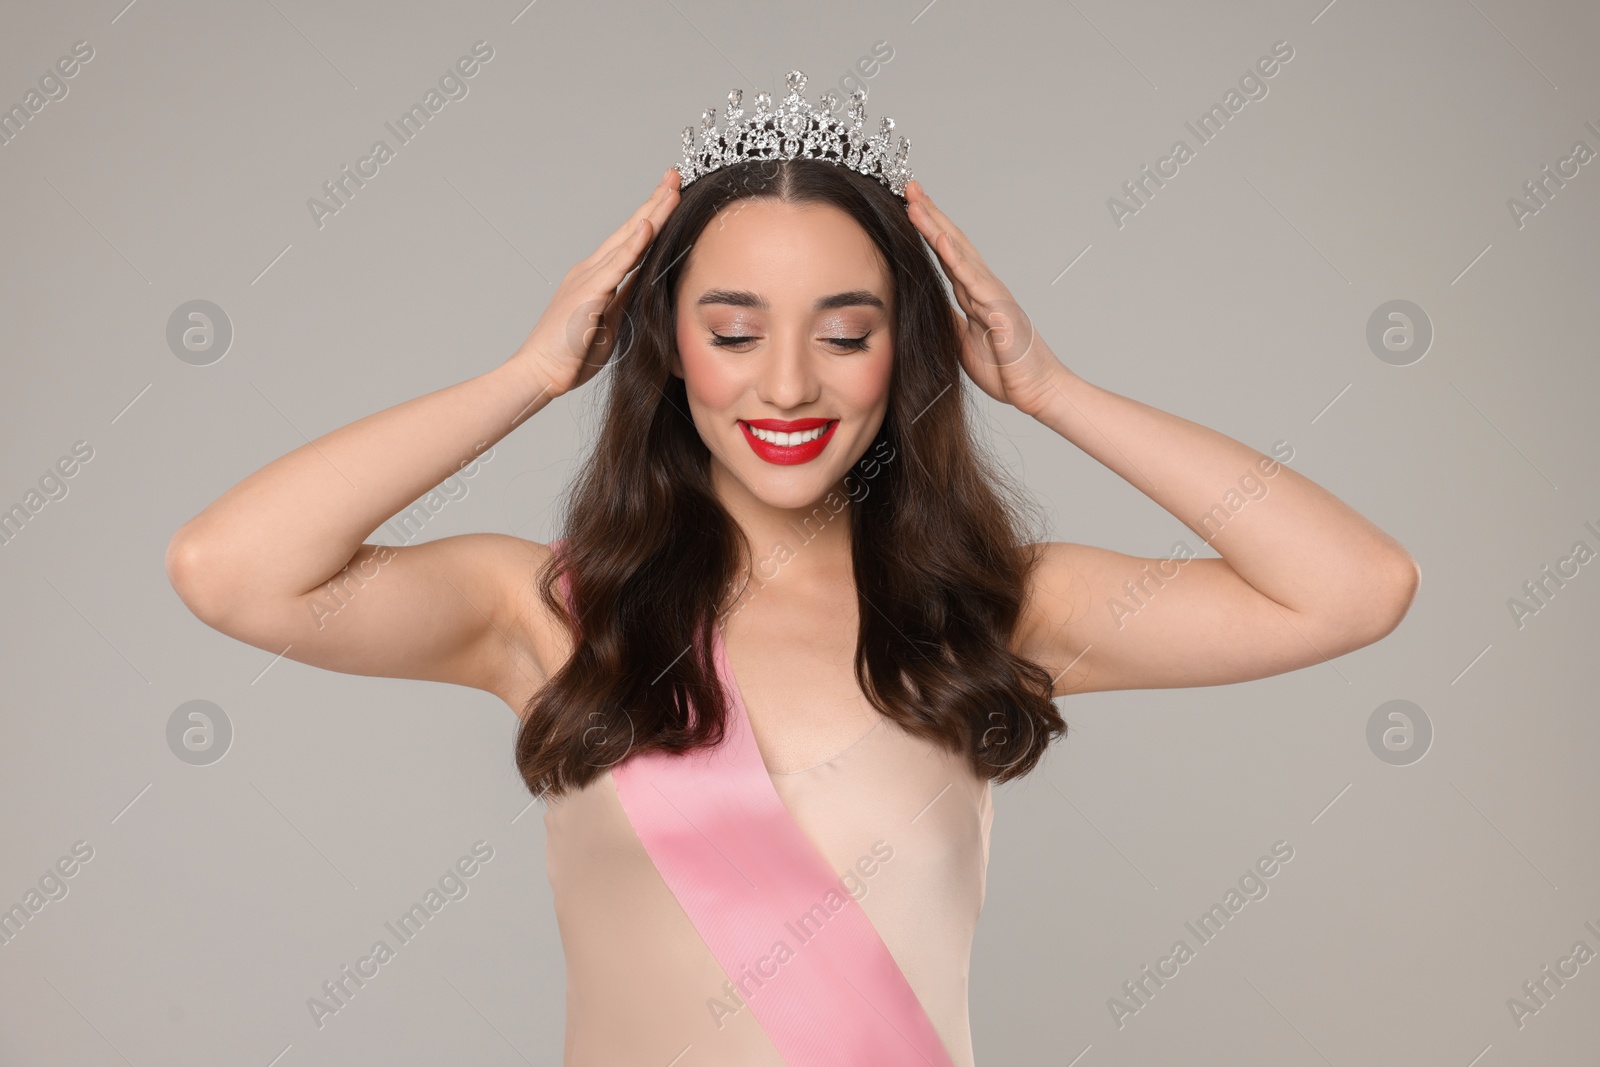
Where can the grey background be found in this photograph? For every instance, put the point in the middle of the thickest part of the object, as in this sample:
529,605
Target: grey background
1378,167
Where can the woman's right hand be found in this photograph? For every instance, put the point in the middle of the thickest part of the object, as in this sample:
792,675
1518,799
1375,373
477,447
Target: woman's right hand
568,346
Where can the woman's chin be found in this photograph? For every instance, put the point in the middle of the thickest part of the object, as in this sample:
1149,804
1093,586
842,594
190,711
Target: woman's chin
792,496
787,487
790,490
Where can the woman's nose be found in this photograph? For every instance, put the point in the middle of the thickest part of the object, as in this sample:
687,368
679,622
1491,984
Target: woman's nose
787,377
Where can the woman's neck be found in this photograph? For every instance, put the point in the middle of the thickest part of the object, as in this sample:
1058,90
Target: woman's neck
805,544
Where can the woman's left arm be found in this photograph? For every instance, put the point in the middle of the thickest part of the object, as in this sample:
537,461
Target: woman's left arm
1303,576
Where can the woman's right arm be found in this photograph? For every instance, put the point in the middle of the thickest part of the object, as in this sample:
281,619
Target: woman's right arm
278,561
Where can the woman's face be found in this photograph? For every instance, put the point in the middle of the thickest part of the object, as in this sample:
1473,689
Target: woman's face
795,395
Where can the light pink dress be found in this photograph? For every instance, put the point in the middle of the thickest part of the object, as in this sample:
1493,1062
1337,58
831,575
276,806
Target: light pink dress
904,822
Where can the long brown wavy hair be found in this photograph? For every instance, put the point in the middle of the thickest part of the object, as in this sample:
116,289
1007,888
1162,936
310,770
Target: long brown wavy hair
939,554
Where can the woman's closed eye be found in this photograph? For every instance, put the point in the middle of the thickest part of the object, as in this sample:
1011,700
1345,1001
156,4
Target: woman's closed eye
854,344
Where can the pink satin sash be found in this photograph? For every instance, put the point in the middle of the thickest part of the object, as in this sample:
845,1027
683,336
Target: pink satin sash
797,946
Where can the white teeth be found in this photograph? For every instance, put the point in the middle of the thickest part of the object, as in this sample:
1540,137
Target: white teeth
789,439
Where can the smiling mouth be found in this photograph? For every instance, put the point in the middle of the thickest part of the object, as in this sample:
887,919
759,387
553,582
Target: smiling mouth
789,447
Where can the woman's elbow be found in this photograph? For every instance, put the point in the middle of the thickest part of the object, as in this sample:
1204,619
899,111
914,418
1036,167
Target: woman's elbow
1393,594
193,574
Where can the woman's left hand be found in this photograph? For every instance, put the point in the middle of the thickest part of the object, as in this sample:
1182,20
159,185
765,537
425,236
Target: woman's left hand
1001,351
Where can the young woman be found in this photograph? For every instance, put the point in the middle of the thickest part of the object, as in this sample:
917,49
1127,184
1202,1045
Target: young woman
793,630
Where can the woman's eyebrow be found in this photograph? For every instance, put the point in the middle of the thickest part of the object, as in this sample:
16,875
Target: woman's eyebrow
745,298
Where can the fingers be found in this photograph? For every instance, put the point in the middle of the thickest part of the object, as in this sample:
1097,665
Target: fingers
651,207
938,235
988,304
612,316
606,279
627,231
928,219
962,275
974,285
956,269
940,221
620,264
662,199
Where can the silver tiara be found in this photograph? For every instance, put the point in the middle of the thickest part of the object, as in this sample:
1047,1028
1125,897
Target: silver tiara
795,130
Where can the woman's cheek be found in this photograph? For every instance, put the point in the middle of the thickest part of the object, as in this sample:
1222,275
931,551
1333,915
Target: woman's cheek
706,376
872,386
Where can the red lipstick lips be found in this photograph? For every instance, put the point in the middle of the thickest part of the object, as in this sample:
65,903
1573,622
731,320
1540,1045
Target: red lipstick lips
788,454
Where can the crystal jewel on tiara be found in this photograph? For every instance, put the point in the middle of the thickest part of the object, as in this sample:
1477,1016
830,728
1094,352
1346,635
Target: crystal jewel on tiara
795,130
